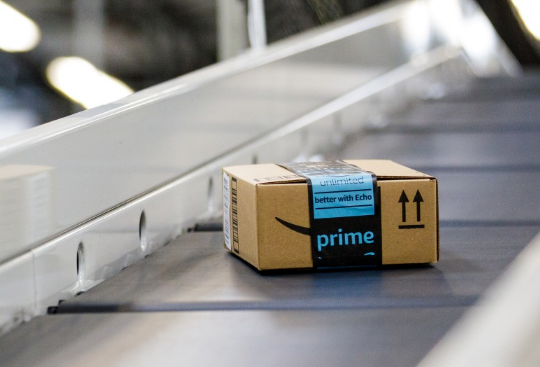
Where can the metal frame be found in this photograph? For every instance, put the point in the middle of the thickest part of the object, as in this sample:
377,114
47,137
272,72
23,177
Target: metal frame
503,328
118,181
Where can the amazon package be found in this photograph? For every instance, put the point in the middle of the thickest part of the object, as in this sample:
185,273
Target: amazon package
330,214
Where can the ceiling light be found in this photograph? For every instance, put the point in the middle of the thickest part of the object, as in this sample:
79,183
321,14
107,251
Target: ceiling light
529,11
18,33
83,83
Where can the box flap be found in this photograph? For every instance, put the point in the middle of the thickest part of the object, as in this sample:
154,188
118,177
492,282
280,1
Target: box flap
385,169
264,174
274,174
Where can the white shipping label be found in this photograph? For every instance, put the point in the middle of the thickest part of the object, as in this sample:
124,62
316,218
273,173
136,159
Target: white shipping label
226,211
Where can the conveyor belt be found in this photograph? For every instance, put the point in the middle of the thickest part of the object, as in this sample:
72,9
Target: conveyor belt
192,303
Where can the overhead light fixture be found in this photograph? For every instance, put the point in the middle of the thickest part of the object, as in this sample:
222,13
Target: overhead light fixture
529,11
416,27
83,83
18,33
447,19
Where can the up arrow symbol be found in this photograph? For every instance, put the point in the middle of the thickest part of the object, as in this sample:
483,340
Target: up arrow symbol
403,200
418,199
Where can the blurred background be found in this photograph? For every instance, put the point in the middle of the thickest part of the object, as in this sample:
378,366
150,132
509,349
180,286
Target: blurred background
58,57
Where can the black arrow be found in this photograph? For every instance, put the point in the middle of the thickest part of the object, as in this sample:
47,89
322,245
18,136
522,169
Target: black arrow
294,227
418,199
403,199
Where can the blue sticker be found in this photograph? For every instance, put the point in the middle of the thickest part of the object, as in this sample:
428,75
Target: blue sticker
340,196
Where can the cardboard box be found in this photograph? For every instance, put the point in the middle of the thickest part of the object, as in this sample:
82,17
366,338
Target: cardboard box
270,215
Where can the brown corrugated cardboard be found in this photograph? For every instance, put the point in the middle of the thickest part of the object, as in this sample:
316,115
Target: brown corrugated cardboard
263,202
